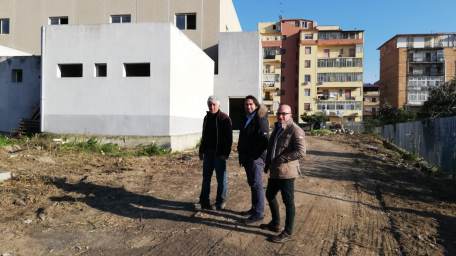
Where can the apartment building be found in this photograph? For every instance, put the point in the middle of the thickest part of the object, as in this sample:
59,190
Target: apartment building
331,73
371,100
410,64
200,20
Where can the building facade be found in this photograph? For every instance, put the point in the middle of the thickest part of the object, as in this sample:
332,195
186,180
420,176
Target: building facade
19,88
200,20
154,86
371,100
321,68
240,61
410,64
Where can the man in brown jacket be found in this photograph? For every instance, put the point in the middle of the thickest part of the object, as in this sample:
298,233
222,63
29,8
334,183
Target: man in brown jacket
286,147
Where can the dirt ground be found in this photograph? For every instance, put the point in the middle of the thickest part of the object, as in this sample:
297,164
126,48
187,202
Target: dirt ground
355,197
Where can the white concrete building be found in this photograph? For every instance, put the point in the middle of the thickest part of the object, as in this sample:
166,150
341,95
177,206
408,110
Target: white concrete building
144,79
240,69
19,87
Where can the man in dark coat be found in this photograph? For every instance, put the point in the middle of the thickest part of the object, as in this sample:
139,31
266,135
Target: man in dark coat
253,142
214,150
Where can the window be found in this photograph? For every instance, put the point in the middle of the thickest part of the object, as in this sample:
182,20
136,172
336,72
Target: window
352,52
307,63
63,20
186,21
374,99
136,69
307,78
307,92
101,70
69,70
308,50
341,52
326,53
16,75
307,106
308,36
124,18
4,26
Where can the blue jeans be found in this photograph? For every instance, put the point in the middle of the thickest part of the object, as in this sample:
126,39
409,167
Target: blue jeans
210,163
254,171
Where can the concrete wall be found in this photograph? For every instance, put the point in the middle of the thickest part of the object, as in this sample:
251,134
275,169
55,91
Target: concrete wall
118,105
18,100
27,17
240,67
191,84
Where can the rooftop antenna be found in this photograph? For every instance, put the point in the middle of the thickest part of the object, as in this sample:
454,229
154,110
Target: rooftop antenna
280,10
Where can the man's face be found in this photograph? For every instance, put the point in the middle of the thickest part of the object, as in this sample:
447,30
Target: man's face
249,106
213,107
283,114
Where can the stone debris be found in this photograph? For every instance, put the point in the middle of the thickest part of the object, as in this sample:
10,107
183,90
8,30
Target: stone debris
5,175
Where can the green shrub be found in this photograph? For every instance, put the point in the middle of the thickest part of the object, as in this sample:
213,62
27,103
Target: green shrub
5,141
151,150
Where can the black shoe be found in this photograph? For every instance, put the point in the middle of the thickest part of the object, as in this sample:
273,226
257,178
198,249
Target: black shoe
281,238
220,207
253,220
271,227
207,207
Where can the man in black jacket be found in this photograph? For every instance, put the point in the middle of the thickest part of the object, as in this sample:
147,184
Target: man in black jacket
253,142
214,150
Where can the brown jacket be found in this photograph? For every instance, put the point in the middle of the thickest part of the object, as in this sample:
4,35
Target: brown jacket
290,147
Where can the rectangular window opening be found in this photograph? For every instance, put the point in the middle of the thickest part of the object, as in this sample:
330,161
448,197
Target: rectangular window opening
101,70
186,21
70,70
121,18
16,75
137,69
4,26
62,20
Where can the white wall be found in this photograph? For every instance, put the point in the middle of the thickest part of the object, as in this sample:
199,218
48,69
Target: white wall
240,67
192,81
18,100
113,105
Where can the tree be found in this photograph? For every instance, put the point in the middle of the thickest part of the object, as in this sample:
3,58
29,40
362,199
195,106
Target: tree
441,102
314,119
390,115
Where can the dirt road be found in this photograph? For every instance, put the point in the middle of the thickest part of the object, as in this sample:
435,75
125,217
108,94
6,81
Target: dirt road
354,198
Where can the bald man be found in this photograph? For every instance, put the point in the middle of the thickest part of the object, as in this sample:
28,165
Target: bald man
286,147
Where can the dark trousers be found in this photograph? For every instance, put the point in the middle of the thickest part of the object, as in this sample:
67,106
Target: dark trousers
254,170
286,187
210,163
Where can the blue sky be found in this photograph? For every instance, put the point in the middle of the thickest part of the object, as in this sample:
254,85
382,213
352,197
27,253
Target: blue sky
381,19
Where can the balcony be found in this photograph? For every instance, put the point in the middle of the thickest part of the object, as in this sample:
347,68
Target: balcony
271,78
340,62
432,59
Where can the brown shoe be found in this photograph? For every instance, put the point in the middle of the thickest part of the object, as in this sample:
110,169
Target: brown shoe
270,227
281,238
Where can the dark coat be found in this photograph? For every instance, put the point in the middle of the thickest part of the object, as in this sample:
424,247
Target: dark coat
224,135
289,149
253,139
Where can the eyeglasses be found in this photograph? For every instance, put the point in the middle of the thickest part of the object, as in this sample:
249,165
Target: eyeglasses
282,113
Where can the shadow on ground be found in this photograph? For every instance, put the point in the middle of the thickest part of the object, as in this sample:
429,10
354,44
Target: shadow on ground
121,202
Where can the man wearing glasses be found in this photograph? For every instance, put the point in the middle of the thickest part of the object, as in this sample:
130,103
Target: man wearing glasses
286,147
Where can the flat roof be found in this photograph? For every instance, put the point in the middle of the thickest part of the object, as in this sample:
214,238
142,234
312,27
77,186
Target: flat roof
419,34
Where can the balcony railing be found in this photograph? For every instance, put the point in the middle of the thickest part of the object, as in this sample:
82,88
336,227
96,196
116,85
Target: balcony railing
338,35
340,62
433,59
271,78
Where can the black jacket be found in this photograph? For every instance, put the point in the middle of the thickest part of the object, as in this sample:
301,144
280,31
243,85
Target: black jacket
224,135
253,139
